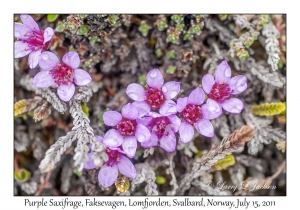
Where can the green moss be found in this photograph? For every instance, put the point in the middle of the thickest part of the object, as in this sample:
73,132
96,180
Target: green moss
187,36
242,54
161,23
71,27
83,30
60,27
177,18
180,27
142,79
158,53
113,18
173,38
223,16
248,42
144,28
82,16
197,28
171,55
88,64
94,39
171,70
77,172
269,109
280,64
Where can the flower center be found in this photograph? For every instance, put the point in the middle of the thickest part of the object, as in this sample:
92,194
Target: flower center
62,74
127,127
154,97
191,113
160,126
220,92
35,40
114,157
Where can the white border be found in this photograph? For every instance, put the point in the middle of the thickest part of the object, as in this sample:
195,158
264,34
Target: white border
8,8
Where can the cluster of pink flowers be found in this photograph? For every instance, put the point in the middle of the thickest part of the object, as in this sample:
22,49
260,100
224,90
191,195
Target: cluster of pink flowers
153,119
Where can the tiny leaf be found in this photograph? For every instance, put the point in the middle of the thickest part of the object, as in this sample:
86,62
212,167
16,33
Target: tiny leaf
160,180
224,163
52,17
22,175
85,109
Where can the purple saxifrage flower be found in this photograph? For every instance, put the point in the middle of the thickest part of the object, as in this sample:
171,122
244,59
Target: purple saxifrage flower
63,74
108,173
195,115
30,39
128,131
156,96
222,86
163,129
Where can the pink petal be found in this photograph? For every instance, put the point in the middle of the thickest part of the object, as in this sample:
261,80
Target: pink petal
118,149
176,122
129,111
48,61
108,175
81,77
99,138
135,92
112,118
168,142
181,104
90,163
154,114
155,78
207,82
142,107
168,107
142,133
71,59
48,34
112,138
211,109
21,49
196,97
186,132
223,72
33,58
42,80
152,141
205,127
144,121
21,30
233,105
30,22
238,84
126,167
66,92
129,146
171,89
